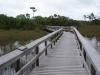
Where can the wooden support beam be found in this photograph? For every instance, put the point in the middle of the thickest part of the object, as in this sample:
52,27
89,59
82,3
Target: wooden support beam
37,51
46,48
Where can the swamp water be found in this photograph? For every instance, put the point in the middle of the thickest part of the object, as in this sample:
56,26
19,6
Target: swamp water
94,43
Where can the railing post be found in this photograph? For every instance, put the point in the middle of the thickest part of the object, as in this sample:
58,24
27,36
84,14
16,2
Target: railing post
37,51
61,33
56,38
51,43
54,42
17,65
46,48
51,46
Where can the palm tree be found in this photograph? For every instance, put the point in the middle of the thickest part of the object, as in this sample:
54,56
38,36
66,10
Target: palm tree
33,9
55,15
92,16
89,17
27,15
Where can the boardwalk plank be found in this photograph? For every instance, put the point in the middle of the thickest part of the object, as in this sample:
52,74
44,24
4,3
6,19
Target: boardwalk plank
63,59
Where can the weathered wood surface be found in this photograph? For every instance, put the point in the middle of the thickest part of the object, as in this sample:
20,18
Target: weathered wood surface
27,51
92,55
63,59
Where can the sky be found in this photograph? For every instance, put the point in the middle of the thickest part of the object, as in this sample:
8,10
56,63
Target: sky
74,9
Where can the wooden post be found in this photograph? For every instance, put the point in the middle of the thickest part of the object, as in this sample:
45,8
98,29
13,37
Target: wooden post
37,51
83,65
51,42
46,48
61,33
51,45
17,65
58,35
93,71
54,42
56,38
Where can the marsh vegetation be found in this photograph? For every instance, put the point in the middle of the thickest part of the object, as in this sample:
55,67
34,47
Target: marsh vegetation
23,29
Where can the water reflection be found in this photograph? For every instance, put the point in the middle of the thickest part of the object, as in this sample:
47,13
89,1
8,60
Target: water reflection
4,49
94,43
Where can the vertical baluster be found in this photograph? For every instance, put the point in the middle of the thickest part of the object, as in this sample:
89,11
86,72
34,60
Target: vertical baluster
4,71
9,70
51,43
54,42
61,33
56,36
17,65
46,48
55,39
28,72
37,51
33,53
13,69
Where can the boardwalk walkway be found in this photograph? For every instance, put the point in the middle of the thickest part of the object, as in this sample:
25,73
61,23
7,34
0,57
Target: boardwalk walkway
63,59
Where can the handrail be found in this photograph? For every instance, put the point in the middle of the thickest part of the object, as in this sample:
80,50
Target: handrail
91,55
13,56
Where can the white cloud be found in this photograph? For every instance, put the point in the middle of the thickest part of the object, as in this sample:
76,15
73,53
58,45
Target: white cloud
12,7
71,8
12,4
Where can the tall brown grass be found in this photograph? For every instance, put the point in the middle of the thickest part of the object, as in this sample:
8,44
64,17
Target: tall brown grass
90,31
20,35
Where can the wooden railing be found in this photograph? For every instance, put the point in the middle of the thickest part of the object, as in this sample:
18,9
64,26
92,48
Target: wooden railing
91,55
22,60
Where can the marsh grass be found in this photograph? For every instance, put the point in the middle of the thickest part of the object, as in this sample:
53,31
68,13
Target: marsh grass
10,36
90,31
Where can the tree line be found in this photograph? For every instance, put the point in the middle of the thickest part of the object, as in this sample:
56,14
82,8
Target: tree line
23,21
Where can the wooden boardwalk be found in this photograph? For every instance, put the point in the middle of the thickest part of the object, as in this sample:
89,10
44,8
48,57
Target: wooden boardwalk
63,59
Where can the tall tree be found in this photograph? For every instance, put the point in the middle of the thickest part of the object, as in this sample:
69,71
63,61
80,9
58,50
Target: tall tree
27,15
21,16
34,10
92,16
84,16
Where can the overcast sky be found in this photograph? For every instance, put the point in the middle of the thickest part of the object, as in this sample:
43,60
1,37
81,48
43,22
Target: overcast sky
72,8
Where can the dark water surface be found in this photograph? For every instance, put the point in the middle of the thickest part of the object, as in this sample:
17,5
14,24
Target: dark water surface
4,49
